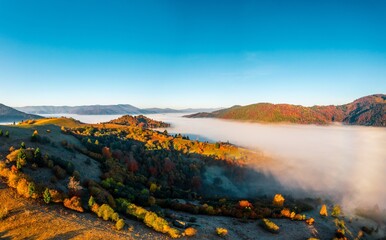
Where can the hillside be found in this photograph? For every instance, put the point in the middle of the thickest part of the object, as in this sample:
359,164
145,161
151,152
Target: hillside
369,111
153,185
139,121
8,114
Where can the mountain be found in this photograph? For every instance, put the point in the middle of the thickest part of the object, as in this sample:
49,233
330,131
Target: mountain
104,110
369,111
8,114
82,110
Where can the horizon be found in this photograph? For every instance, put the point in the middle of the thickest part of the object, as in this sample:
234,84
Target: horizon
155,107
180,55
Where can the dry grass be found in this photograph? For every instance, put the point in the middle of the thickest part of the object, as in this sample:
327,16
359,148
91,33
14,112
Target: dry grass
27,219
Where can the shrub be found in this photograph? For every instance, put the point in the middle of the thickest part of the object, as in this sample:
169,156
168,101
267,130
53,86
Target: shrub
151,201
222,232
3,212
76,175
310,221
74,203
120,224
22,145
244,204
278,200
1,132
189,232
105,212
56,196
22,188
285,212
74,186
59,172
47,196
13,178
323,211
91,201
7,134
336,211
270,226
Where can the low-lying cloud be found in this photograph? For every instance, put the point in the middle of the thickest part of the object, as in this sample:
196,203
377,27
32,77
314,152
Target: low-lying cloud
346,163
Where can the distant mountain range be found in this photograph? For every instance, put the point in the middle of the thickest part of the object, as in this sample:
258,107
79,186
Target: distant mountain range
8,114
369,111
104,110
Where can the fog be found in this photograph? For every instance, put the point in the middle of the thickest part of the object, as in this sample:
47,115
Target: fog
344,163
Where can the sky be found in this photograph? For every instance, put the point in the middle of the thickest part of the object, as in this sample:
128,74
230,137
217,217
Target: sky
184,54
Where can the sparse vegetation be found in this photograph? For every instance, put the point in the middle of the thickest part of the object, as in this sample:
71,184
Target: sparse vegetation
336,211
190,232
323,210
270,226
47,196
222,232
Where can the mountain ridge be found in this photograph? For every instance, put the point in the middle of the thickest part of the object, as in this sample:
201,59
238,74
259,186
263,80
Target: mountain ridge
369,111
114,109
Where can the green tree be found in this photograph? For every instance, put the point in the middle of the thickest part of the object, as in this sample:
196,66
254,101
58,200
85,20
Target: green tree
91,201
47,196
37,154
1,132
31,188
7,134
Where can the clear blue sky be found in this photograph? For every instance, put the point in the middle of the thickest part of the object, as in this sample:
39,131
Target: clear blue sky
191,53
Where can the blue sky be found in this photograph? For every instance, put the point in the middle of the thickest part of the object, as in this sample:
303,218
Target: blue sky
191,53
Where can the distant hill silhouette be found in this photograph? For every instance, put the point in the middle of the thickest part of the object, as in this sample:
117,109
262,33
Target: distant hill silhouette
369,111
119,109
8,114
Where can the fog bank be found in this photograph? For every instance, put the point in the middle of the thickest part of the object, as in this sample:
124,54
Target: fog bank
347,163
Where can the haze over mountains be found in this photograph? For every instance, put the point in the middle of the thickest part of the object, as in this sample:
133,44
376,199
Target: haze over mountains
104,110
368,111
8,114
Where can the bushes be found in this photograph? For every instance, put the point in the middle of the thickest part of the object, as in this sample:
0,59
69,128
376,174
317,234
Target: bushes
336,211
190,232
270,226
22,188
278,200
105,212
120,224
74,203
151,219
323,211
222,232
59,172
47,196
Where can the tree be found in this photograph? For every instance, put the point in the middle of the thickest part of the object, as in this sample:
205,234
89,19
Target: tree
47,196
37,154
7,134
31,188
74,186
1,132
